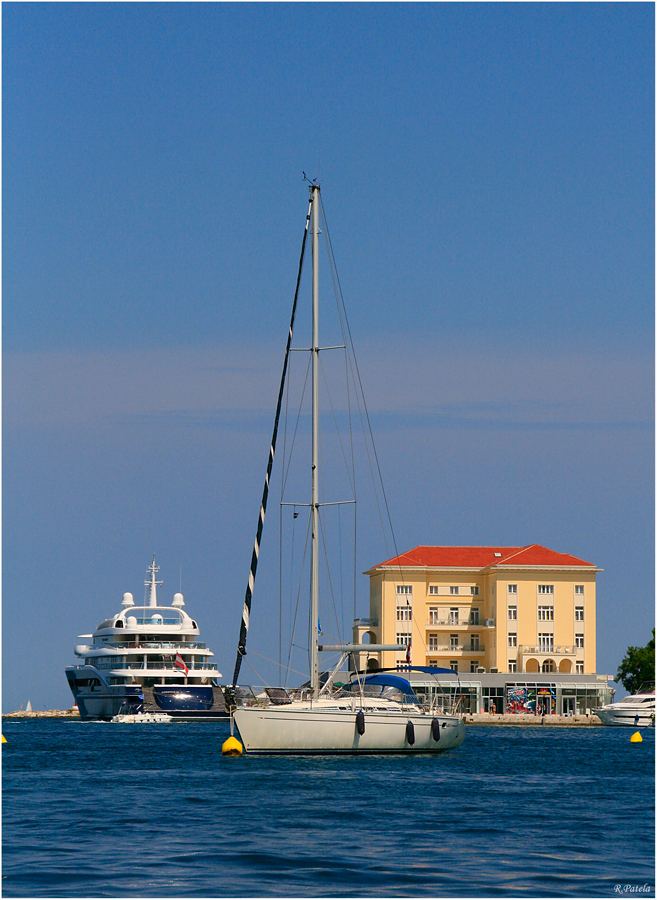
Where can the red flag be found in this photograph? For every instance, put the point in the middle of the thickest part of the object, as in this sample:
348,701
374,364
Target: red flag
408,652
180,663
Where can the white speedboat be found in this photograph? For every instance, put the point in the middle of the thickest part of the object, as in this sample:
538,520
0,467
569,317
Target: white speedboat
637,710
146,658
141,718
369,716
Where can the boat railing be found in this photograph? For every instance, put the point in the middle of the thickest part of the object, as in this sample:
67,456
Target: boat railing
156,620
270,696
462,648
429,702
157,645
166,665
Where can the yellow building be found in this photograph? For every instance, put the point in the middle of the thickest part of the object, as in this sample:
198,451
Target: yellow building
484,609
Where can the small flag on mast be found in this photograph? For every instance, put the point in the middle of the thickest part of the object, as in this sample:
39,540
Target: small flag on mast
180,663
408,652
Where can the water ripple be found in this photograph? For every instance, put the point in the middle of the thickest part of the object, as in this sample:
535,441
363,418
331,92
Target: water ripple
104,812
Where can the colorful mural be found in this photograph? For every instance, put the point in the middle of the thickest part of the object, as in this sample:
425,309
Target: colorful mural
540,701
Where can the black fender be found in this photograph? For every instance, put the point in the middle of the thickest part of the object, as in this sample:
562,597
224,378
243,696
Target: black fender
410,732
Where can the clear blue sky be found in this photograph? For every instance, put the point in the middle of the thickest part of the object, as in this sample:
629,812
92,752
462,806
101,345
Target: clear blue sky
488,174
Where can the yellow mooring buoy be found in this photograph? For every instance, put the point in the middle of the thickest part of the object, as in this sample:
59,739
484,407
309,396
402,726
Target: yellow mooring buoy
636,737
231,747
4,739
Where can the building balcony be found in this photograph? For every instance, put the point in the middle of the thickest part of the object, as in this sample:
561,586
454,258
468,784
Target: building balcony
459,648
533,658
543,651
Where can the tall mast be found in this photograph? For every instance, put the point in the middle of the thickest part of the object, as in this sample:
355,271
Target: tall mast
314,578
152,584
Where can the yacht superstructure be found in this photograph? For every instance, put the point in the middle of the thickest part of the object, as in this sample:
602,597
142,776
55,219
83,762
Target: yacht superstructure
146,656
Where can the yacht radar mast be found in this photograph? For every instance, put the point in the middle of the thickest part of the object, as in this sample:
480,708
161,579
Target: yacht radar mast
152,584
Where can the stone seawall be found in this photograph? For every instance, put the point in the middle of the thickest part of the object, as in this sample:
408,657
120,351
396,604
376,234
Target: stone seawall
488,719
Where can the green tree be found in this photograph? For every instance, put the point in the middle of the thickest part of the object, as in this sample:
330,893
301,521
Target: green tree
637,666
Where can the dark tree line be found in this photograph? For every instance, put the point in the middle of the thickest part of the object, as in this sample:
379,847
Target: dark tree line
637,666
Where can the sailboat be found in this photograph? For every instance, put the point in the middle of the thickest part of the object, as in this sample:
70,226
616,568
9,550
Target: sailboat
376,713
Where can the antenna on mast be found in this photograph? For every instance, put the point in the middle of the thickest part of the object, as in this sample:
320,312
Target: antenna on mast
152,584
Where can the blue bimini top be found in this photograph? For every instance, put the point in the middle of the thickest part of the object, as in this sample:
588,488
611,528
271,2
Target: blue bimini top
384,685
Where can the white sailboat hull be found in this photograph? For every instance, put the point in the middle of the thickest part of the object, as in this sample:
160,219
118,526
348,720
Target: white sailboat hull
304,728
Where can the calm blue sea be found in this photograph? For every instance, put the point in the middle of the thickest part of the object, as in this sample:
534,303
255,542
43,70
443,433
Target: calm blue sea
101,810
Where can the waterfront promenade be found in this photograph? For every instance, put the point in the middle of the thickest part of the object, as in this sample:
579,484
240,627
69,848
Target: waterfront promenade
516,719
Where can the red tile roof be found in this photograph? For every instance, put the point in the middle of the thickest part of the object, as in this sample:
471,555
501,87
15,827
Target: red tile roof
483,557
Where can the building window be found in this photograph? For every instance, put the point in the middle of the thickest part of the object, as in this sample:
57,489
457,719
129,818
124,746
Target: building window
403,639
474,615
453,642
579,668
474,590
454,615
579,589
404,613
474,665
513,640
433,615
546,589
454,665
513,613
546,614
545,642
433,642
432,662
512,589
579,640
579,613
454,590
402,667
513,665
474,642
405,589
433,590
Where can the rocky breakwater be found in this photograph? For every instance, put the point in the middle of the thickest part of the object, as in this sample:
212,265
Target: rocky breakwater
72,713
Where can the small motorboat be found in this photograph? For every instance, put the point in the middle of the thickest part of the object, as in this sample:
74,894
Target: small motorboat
141,718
